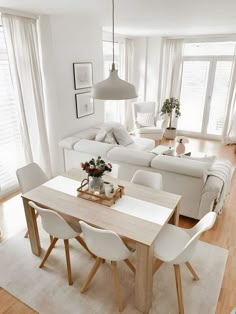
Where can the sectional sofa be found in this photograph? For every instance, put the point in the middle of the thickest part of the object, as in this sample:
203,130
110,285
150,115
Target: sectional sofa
204,186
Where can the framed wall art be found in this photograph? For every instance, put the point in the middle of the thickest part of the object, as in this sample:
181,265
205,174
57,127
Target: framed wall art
83,75
84,104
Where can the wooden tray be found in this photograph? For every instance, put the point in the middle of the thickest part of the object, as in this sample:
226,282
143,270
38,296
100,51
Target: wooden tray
83,192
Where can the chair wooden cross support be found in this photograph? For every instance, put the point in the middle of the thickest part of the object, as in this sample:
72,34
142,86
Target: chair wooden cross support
58,228
176,245
107,245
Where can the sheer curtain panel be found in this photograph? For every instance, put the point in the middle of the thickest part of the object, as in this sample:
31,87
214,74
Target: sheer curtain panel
22,45
229,132
171,65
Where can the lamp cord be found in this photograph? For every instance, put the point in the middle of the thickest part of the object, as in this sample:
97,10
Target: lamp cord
113,35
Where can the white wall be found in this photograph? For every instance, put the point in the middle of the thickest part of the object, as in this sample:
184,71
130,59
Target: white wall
146,67
64,40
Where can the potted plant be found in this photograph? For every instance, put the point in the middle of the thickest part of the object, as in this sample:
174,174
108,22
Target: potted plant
171,106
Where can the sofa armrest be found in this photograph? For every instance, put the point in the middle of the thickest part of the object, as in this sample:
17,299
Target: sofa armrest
69,142
210,195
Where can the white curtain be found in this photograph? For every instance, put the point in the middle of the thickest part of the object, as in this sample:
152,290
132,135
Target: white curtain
129,76
120,110
22,44
171,66
229,132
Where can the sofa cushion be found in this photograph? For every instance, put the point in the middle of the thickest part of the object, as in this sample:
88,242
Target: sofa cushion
88,134
141,143
93,147
149,130
68,142
130,156
208,159
181,166
122,136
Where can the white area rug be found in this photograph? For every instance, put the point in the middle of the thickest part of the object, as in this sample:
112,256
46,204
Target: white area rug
47,291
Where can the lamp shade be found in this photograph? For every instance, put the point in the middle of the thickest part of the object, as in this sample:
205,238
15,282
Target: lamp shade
114,88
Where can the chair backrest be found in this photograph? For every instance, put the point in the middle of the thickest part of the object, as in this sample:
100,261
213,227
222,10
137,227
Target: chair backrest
54,224
30,176
203,225
105,244
147,106
150,179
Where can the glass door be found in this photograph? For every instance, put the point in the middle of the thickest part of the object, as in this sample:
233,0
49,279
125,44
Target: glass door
204,91
218,98
193,95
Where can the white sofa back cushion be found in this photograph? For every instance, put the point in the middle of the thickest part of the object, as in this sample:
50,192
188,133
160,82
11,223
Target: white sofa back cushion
88,134
93,147
181,166
130,156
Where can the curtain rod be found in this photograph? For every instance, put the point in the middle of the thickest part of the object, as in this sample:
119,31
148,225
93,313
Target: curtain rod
18,13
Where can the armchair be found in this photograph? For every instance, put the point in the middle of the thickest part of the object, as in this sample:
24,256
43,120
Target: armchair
146,124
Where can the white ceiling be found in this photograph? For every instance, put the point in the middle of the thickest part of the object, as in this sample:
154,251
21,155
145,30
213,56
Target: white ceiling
144,17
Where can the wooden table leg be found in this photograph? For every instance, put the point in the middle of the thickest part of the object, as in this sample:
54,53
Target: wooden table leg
174,220
143,277
30,216
176,215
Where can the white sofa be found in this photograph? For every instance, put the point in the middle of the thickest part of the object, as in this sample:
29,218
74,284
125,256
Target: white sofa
202,187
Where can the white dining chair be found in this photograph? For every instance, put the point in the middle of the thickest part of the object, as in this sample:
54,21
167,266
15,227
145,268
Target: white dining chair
150,179
56,226
106,245
175,245
30,177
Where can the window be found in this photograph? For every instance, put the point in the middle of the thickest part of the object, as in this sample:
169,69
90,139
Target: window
205,82
11,144
114,110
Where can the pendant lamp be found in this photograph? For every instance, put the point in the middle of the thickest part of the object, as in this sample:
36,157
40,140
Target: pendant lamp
113,88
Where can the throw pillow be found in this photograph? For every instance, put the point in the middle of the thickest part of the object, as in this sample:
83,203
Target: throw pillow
122,136
100,135
145,118
110,138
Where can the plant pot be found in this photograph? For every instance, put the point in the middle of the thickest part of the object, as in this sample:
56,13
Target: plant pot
170,133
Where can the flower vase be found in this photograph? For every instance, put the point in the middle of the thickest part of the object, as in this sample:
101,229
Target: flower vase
96,184
180,149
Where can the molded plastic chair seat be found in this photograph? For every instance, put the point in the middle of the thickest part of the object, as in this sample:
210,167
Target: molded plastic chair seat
170,243
147,178
106,245
176,246
30,177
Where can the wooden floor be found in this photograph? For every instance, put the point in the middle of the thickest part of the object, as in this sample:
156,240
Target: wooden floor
223,234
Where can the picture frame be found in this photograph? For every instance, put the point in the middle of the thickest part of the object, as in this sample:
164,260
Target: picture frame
84,104
83,75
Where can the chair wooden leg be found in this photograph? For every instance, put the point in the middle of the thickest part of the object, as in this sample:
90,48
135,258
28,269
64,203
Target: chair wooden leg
48,252
157,265
130,265
192,271
179,288
91,274
51,239
67,252
84,245
117,285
